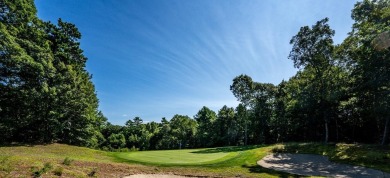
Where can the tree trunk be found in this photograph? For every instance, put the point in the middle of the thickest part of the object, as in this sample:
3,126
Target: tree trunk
337,131
386,132
246,137
326,132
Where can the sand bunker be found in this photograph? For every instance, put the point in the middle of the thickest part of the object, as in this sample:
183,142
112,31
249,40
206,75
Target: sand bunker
155,176
316,165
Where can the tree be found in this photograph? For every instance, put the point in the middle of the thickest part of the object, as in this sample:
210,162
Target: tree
117,141
166,139
205,119
183,128
242,89
259,98
226,127
25,65
242,124
367,52
45,92
279,122
313,50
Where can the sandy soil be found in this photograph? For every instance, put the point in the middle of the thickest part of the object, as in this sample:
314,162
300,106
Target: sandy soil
316,165
155,176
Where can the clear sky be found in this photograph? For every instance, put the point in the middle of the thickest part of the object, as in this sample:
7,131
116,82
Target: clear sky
157,58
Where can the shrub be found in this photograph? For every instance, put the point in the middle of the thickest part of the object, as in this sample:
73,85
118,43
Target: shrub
123,150
133,148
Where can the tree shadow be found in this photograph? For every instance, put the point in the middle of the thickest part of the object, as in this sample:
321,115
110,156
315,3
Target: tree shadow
20,144
306,148
226,149
258,169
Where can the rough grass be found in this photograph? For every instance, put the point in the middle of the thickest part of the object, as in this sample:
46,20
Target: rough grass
372,156
26,161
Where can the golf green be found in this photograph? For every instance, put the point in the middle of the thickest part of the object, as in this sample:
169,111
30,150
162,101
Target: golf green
185,156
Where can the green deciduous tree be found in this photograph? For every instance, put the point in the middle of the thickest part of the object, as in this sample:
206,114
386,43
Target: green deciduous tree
313,50
183,129
117,140
367,52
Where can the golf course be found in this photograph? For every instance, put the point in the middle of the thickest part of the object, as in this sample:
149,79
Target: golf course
59,160
176,89
179,157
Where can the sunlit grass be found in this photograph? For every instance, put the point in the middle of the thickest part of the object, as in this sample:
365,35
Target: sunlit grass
171,157
224,161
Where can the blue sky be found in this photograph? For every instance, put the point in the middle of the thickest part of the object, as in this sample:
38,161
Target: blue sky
157,58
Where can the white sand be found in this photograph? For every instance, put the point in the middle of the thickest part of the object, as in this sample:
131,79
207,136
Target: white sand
316,165
155,176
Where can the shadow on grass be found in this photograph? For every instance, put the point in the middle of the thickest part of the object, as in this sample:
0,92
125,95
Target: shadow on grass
22,144
226,149
306,148
258,169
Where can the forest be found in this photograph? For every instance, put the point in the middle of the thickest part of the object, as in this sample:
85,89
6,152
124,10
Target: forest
341,92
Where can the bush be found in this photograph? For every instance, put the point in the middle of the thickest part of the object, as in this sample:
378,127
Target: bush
123,150
105,148
134,148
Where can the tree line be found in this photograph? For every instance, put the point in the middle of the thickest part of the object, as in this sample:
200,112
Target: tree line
341,92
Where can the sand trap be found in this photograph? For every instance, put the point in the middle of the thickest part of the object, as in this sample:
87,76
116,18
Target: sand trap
316,165
155,176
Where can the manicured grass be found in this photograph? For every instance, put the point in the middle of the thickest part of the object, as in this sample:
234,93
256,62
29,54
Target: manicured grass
224,161
180,157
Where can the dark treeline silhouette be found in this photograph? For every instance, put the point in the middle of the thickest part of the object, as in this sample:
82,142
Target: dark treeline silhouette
341,93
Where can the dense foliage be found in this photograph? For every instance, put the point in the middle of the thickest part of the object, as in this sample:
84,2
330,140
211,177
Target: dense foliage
46,95
340,93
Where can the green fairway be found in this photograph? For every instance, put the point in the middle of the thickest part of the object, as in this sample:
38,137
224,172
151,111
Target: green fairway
184,156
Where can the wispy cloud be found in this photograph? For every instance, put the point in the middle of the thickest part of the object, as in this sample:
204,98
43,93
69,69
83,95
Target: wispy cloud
156,59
